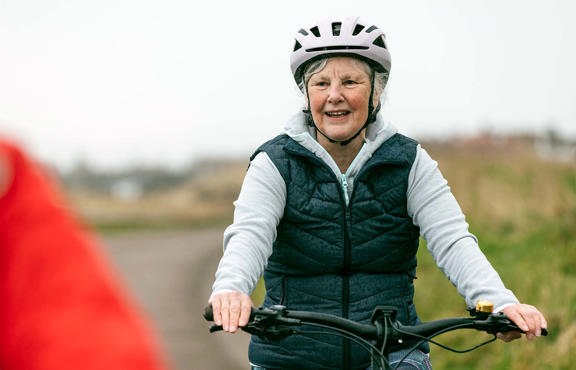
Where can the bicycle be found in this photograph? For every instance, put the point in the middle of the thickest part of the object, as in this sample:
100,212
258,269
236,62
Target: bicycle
384,331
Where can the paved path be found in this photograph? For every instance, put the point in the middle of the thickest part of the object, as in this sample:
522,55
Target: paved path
170,274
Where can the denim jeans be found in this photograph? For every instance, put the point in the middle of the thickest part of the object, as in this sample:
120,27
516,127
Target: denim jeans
416,360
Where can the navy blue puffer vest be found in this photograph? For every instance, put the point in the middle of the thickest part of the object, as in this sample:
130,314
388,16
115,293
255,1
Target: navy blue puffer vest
338,259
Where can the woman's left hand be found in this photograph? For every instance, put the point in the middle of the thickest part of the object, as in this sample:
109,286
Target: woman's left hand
528,318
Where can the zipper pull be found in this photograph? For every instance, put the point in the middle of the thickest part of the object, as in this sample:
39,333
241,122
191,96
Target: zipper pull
344,183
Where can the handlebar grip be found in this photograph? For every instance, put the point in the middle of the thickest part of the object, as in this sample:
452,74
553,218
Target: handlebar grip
208,314
512,326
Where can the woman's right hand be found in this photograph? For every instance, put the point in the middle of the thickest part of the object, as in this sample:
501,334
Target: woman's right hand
231,310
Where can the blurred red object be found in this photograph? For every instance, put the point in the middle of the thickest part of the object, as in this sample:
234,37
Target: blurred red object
61,304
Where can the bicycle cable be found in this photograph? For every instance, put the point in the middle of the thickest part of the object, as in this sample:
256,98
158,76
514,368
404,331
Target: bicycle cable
366,345
430,340
385,336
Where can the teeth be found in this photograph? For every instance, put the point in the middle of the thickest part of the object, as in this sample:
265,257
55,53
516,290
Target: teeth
336,114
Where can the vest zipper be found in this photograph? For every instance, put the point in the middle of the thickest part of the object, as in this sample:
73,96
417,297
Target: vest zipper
346,272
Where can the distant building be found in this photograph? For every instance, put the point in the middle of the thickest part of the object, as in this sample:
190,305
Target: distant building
127,190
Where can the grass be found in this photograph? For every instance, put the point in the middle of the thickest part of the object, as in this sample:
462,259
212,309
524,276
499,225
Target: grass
523,211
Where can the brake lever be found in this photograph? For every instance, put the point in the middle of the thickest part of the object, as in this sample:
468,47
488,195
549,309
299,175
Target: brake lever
274,327
501,320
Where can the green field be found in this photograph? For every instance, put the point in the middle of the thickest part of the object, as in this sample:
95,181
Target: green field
523,211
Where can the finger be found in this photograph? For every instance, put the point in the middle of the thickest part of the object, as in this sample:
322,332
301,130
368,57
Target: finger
518,319
533,319
217,317
245,312
540,322
529,319
234,316
536,323
225,312
544,323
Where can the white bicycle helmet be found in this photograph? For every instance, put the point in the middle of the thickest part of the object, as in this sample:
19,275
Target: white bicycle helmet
340,36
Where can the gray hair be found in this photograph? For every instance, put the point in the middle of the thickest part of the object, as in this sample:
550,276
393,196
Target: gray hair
380,78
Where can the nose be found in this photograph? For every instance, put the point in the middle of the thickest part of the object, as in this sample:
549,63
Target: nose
335,93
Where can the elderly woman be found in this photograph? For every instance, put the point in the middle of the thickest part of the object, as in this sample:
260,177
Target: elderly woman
331,212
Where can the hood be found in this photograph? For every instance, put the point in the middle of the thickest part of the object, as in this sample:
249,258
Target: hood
299,130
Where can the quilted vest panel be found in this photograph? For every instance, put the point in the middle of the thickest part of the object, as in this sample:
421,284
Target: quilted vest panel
339,259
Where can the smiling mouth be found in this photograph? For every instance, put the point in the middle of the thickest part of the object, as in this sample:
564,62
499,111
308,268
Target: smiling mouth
337,114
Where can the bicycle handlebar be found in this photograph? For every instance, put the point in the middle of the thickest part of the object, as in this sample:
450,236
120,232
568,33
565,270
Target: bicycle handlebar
277,322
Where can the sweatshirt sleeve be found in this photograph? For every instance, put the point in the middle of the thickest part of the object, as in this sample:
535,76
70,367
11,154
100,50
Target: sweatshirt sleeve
248,241
442,224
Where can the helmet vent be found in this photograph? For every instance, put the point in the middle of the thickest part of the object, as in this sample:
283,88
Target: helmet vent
336,26
338,48
372,28
297,46
357,29
315,31
380,42
303,32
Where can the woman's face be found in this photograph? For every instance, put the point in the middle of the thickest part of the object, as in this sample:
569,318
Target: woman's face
339,96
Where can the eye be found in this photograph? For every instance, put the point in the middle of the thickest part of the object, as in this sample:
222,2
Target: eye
349,82
320,84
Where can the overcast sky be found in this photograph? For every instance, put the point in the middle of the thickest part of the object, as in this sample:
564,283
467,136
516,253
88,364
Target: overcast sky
117,82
